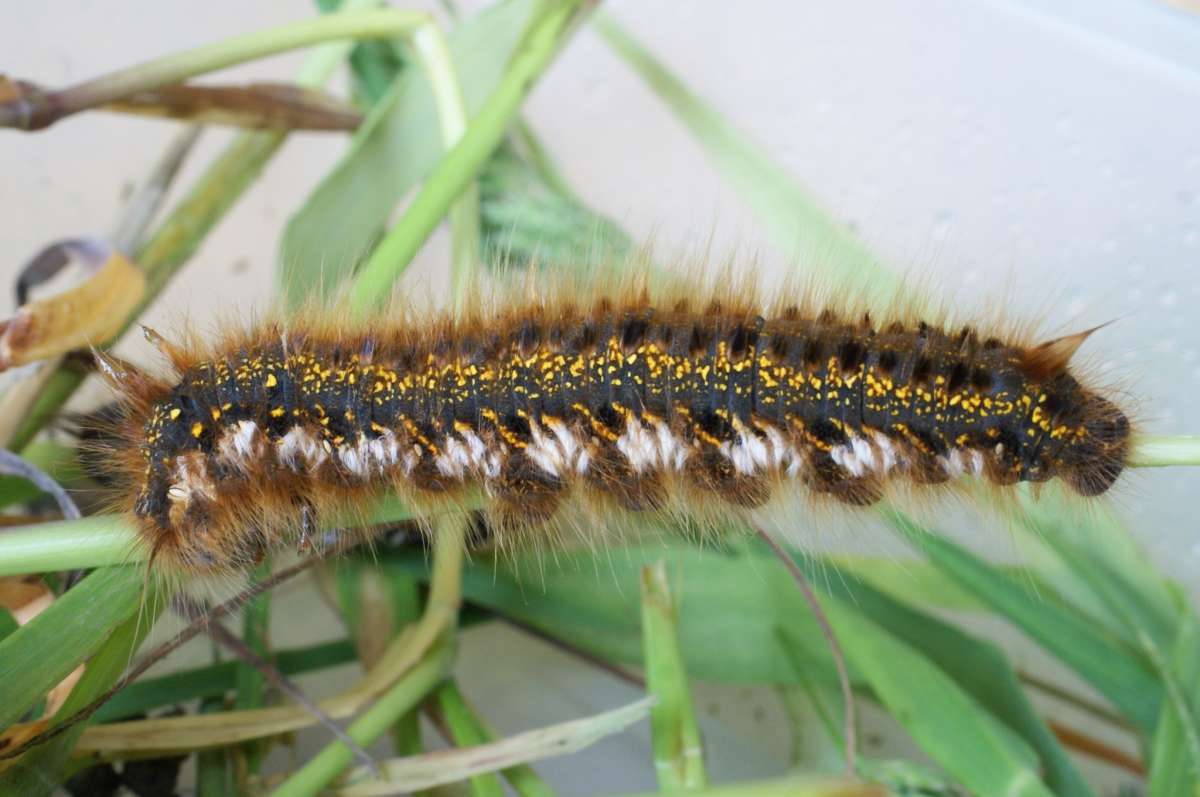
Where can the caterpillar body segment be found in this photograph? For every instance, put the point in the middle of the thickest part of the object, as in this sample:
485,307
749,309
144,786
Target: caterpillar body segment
634,400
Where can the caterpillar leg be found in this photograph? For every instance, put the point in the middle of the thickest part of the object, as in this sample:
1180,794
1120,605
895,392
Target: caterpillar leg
525,494
612,474
712,471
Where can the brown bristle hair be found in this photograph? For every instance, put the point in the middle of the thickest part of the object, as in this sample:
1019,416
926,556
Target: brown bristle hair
635,398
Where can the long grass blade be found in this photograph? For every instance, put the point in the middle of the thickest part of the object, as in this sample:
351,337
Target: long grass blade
1100,659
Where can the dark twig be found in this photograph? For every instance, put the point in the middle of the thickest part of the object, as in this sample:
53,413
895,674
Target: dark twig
230,641
850,731
166,648
599,663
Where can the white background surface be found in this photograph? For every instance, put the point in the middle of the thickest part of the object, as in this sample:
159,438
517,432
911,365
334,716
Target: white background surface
1046,155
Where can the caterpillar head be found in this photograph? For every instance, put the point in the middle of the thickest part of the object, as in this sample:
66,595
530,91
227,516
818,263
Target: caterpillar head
1092,433
1096,452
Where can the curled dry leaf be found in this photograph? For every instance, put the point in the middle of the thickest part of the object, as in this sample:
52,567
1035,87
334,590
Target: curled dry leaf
24,597
91,312
258,105
16,105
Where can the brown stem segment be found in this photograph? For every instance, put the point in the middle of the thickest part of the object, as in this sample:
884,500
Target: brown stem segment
850,729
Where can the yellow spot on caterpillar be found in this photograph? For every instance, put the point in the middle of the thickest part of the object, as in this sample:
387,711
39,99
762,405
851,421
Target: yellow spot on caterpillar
705,436
197,429
216,413
271,381
277,412
175,413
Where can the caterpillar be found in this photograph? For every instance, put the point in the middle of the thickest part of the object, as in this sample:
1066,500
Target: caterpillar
638,399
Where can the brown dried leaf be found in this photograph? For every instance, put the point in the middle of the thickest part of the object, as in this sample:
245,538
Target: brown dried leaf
24,597
9,89
92,312
17,101
258,105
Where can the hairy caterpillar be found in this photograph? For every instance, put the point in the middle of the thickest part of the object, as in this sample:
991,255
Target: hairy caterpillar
638,399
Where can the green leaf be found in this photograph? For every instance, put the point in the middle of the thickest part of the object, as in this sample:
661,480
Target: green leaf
797,223
373,64
944,720
1110,578
909,581
34,656
909,779
1101,659
8,623
395,147
528,220
977,666
727,630
1175,759
38,771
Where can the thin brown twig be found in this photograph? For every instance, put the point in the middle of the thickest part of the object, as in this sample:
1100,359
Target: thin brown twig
1091,707
168,647
607,666
1094,748
230,641
850,729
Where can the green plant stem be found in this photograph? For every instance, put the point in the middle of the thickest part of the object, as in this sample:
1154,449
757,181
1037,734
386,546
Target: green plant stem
1159,451
465,732
212,766
97,541
103,540
441,612
456,171
363,24
434,53
407,692
251,684
469,729
678,752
